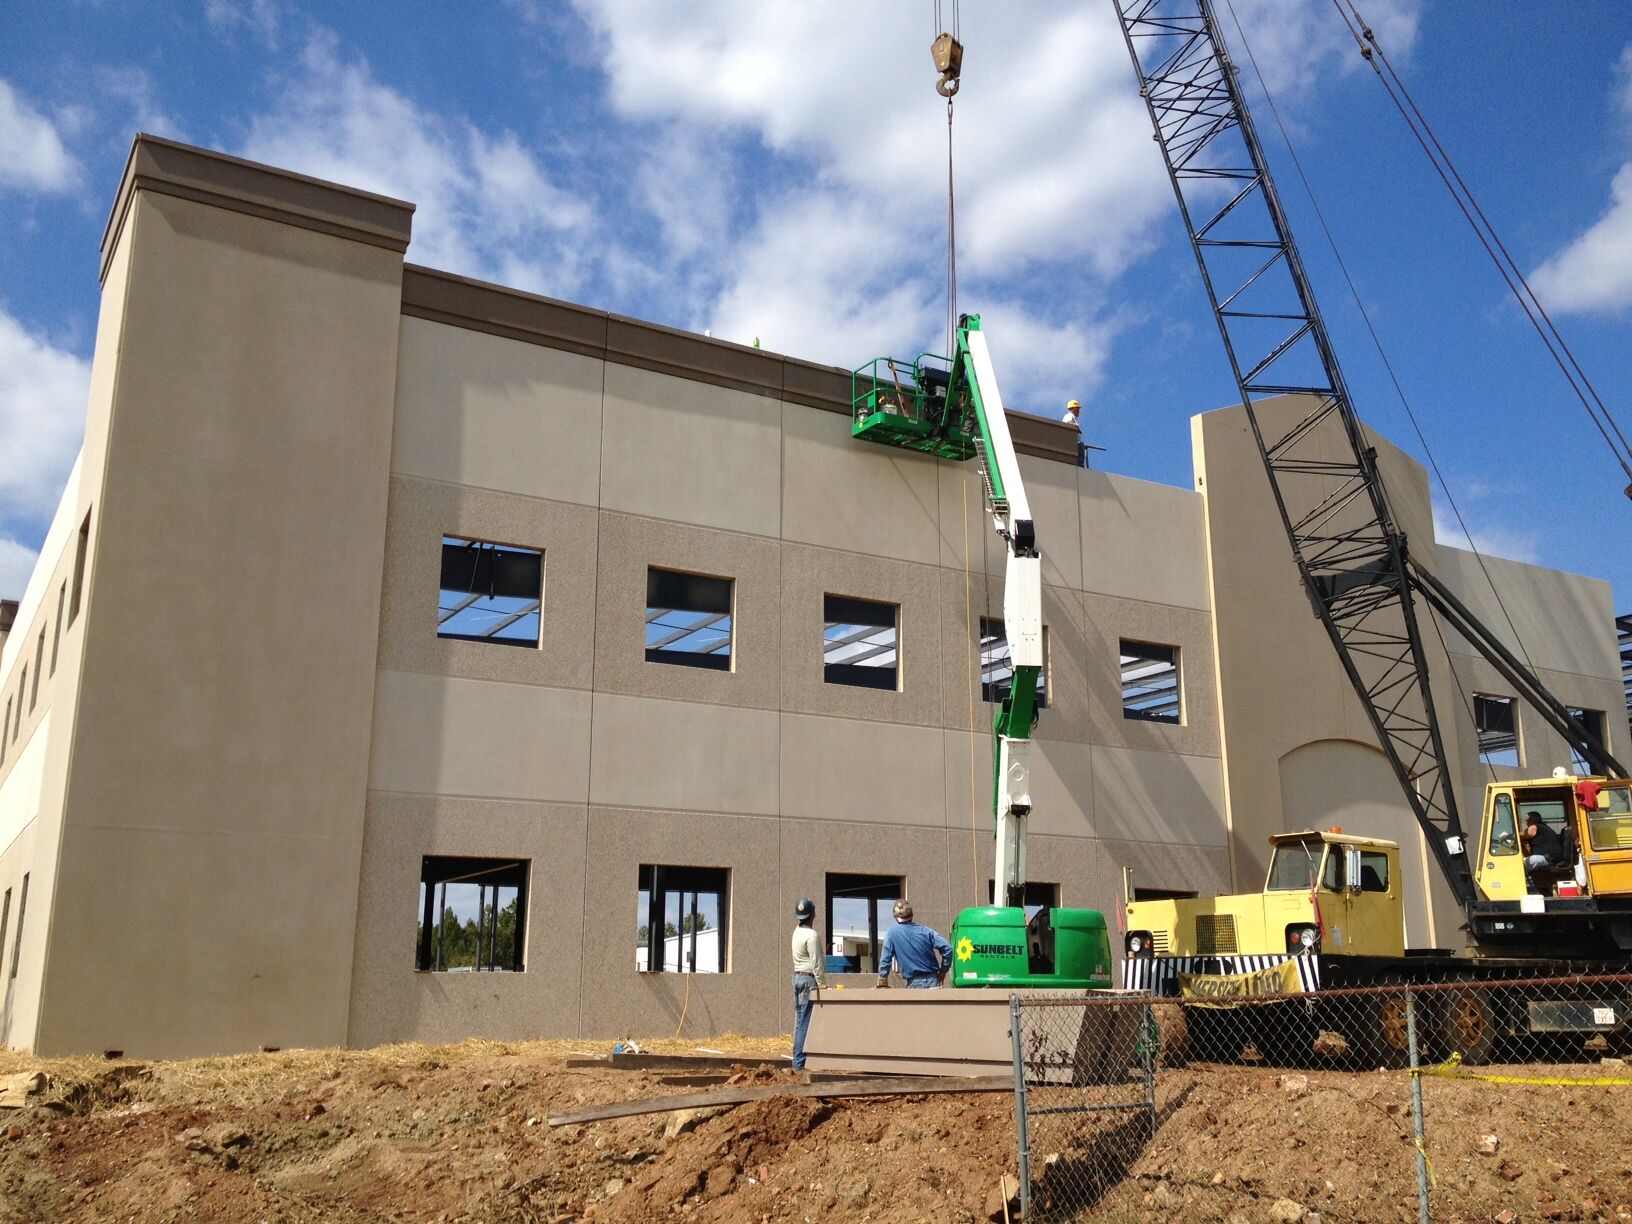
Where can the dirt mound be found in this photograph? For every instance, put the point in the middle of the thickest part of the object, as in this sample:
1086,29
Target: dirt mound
461,1132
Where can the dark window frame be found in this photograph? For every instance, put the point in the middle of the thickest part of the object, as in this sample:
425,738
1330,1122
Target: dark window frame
39,666
1494,740
656,882
82,547
476,568
17,935
687,592
495,873
1135,689
863,886
853,611
56,632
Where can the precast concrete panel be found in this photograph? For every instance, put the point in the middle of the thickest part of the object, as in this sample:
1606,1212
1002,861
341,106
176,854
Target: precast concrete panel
619,999
391,1000
810,574
630,546
967,529
1158,796
1143,541
848,769
482,738
491,413
1107,622
1062,790
681,754
841,494
421,512
691,452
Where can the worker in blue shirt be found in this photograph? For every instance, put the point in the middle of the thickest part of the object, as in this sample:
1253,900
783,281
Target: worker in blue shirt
919,953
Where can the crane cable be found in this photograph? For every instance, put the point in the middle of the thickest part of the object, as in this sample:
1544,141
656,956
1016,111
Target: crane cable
1372,52
949,41
1399,390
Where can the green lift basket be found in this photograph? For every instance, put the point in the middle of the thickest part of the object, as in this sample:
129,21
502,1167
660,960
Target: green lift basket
895,402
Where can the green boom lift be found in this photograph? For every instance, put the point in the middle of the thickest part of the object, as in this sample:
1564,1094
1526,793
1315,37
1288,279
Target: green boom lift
951,408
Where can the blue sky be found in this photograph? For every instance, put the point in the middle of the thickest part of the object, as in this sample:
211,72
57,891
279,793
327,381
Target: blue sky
771,170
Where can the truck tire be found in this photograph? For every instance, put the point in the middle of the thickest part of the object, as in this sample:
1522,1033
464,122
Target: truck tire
1215,1034
1468,1024
1376,1030
1284,1033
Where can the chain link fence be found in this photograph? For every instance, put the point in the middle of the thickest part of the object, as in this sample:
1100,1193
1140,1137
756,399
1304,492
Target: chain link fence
1396,1100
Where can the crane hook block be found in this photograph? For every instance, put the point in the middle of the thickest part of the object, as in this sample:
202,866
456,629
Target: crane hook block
948,53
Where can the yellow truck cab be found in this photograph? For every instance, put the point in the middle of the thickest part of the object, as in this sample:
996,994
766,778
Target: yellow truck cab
1326,892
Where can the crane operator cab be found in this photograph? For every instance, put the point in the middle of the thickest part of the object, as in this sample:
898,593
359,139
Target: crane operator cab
1584,846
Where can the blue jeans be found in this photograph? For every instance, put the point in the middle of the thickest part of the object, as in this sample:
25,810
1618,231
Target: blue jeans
803,985
928,982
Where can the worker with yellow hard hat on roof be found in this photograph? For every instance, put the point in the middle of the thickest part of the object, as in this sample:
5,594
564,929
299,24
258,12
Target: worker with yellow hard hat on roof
1072,410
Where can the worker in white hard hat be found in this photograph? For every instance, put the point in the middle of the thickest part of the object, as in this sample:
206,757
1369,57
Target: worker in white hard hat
809,974
920,953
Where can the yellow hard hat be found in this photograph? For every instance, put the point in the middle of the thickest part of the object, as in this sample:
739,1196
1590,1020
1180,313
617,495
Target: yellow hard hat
1073,406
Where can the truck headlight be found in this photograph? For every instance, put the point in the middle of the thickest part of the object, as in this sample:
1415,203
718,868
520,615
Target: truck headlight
1302,939
1139,943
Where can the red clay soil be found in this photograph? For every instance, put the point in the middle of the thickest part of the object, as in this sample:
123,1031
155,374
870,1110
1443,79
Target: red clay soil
460,1133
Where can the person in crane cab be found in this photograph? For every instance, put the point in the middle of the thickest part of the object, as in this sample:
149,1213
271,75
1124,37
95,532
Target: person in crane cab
919,953
1543,848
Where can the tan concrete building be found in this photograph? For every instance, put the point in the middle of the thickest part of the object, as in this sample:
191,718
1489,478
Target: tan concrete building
418,658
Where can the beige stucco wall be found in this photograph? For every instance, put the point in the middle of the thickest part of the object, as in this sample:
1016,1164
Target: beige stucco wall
764,770
213,830
253,736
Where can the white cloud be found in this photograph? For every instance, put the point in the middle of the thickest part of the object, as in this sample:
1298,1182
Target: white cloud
1297,46
42,419
16,564
1488,539
32,155
134,88
486,207
260,17
1594,271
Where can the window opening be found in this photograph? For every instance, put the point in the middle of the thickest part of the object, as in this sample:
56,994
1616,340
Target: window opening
1150,682
5,729
860,643
1493,720
22,687
1373,871
1593,720
1331,880
5,921
858,917
39,662
1504,834
17,936
1164,894
680,916
997,667
81,547
1610,828
490,592
1294,866
688,619
472,914
56,632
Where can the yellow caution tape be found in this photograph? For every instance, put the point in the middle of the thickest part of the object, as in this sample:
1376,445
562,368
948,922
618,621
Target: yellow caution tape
1451,1068
1428,1164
